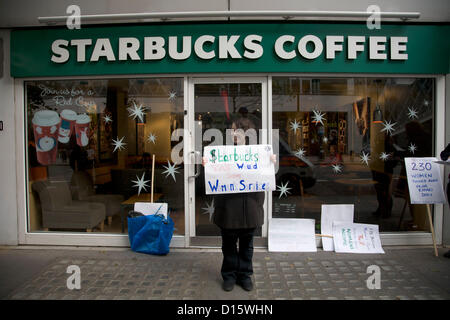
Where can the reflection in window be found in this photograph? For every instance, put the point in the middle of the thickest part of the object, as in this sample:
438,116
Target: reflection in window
343,141
90,150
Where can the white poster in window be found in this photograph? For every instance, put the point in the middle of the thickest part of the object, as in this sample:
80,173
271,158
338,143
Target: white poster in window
292,235
238,169
356,238
424,181
330,213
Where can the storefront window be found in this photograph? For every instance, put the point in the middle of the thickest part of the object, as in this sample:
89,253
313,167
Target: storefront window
344,140
90,150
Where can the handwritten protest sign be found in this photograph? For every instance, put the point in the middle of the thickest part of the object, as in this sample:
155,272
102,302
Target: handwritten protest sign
356,238
330,213
424,181
292,235
237,169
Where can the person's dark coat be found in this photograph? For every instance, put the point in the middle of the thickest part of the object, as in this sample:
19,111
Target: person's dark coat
239,210
445,154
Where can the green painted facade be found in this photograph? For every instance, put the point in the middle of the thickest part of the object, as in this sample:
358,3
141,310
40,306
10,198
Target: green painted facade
428,50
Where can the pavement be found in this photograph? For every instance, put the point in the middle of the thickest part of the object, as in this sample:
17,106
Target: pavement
40,273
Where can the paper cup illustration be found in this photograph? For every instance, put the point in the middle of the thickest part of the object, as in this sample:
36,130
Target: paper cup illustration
68,118
46,124
82,129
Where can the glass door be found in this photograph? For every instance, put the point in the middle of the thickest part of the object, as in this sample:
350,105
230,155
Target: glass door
216,104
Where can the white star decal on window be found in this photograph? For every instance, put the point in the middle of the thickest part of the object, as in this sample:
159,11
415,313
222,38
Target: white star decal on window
283,189
388,127
140,183
118,144
365,158
137,111
107,118
172,95
412,148
412,113
295,125
384,156
152,138
170,170
318,117
300,153
336,168
209,209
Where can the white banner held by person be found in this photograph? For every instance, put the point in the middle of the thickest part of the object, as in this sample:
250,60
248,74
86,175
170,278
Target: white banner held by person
238,169
424,181
356,238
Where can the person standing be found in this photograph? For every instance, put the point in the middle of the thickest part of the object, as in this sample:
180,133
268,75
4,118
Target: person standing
238,215
445,154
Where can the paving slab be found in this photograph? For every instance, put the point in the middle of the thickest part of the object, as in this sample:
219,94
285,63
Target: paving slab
406,273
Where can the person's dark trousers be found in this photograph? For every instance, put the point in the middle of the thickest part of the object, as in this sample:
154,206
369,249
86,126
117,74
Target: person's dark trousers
237,261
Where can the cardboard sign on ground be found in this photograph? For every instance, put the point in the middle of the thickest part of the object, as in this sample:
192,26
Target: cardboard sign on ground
330,213
356,237
292,235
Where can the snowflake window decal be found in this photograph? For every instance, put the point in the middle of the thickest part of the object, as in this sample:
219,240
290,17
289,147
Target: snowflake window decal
384,156
172,95
295,126
318,117
337,168
152,138
137,111
388,127
209,209
412,113
170,170
284,190
412,148
141,183
107,118
300,153
118,144
365,158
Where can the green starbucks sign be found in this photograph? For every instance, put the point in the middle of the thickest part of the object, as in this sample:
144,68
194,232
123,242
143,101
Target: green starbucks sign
233,47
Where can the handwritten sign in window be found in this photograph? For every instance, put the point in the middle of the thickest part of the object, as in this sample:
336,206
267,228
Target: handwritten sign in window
239,169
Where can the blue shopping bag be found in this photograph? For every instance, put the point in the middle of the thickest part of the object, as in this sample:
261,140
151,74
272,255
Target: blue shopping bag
150,234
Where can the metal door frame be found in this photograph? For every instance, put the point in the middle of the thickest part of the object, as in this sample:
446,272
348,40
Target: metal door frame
189,146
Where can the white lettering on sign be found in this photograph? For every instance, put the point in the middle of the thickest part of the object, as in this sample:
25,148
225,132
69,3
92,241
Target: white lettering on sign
318,47
398,48
355,44
103,48
334,43
377,48
154,48
200,50
279,47
185,50
207,47
128,47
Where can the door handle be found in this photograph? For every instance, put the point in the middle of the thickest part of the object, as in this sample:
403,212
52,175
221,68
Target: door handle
197,173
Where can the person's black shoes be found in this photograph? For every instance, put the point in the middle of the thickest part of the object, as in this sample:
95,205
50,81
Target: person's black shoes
246,284
228,285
